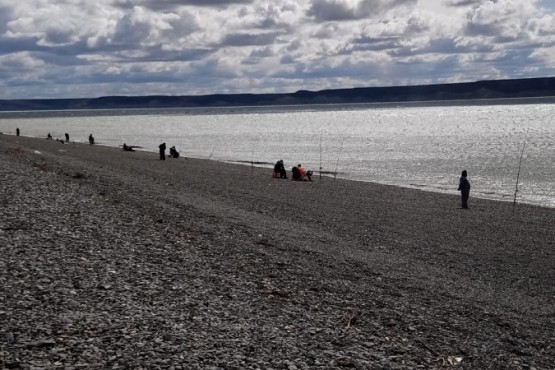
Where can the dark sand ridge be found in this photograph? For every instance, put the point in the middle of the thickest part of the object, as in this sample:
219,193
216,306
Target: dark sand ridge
246,271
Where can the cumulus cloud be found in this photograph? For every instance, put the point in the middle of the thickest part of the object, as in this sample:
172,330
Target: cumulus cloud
169,4
249,39
82,48
337,10
462,2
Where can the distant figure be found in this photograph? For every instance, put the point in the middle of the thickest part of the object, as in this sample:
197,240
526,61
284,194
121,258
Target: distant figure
295,174
173,152
305,175
127,148
162,148
49,137
91,140
67,137
17,131
300,174
279,170
464,188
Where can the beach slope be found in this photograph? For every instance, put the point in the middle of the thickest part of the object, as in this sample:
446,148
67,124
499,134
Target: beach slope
112,259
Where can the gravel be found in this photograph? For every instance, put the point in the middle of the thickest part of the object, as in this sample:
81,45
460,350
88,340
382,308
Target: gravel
116,260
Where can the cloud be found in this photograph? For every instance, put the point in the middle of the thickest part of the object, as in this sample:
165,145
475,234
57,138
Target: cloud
462,2
502,18
341,10
247,39
65,47
6,15
171,4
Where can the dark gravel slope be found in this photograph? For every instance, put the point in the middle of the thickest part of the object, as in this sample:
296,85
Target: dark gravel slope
111,259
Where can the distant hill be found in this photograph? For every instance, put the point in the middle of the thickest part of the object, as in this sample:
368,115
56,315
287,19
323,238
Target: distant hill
496,89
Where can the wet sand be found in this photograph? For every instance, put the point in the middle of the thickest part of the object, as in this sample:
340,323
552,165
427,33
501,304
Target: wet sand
115,259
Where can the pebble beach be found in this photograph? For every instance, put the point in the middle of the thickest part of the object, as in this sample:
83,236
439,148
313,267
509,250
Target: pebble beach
117,260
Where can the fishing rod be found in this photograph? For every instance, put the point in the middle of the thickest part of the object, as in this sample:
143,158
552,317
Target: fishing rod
320,156
519,166
337,162
252,158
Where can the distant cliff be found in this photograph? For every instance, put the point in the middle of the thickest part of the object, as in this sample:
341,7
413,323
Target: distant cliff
497,89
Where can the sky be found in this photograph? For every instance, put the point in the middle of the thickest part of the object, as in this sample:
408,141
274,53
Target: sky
83,48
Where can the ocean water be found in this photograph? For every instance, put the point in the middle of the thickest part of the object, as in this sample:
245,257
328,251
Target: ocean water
409,146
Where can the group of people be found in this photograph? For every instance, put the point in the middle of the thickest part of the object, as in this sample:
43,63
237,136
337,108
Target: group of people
173,152
298,173
49,137
66,135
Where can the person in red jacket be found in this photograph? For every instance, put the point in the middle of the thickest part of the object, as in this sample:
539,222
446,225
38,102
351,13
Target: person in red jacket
305,175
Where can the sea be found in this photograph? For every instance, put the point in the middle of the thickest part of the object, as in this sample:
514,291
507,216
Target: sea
506,148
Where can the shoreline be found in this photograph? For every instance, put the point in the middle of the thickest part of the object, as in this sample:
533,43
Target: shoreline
329,175
115,259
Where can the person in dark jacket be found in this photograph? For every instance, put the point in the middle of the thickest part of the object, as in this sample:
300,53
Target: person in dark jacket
464,188
91,140
173,152
162,148
67,137
17,131
279,170
127,148
295,174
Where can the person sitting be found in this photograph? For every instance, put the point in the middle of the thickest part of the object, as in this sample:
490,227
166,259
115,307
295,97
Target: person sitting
127,148
173,152
295,174
279,170
305,175
49,137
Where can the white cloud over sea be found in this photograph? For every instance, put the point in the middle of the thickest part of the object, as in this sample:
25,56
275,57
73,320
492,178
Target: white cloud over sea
81,48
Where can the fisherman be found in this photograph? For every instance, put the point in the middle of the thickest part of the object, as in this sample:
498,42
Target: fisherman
127,148
295,174
162,148
279,170
464,188
173,152
305,175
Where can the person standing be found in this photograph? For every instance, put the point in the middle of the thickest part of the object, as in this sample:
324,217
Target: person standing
162,148
464,188
91,140
67,137
17,131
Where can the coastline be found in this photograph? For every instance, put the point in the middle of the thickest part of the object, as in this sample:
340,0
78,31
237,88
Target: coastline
484,194
226,267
